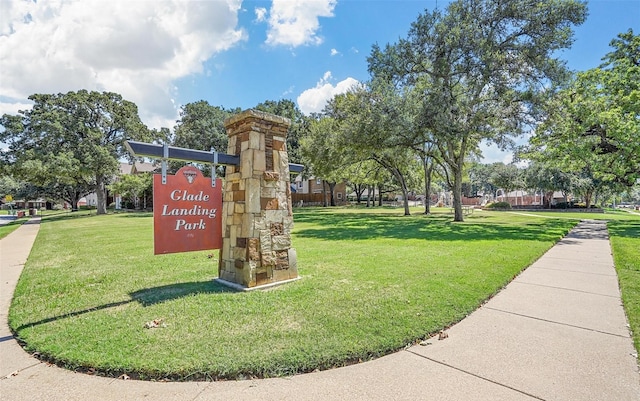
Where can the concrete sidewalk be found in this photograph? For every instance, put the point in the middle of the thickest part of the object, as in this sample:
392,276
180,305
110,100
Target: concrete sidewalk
557,332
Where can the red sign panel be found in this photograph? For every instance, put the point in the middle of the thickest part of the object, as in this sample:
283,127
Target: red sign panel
187,212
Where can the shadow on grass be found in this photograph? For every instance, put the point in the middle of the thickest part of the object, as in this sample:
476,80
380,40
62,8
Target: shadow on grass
67,216
135,214
624,228
86,214
156,295
145,297
356,226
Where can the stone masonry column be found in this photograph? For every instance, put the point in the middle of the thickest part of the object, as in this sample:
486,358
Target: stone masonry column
257,218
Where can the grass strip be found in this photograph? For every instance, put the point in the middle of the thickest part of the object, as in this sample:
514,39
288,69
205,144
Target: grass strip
8,228
373,282
625,243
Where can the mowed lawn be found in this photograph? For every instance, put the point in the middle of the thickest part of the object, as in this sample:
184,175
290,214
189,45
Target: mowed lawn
625,241
373,282
10,227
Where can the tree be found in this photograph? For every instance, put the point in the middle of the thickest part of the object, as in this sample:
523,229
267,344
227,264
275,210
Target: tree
9,186
361,176
325,159
480,177
481,66
201,127
132,187
594,121
72,142
373,125
548,179
60,176
506,176
422,141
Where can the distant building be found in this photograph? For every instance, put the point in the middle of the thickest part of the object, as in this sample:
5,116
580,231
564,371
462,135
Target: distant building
310,192
124,169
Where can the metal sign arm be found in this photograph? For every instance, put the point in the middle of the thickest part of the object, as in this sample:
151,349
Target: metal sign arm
142,149
165,156
213,167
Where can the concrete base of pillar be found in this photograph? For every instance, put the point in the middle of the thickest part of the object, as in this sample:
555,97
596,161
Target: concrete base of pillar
239,287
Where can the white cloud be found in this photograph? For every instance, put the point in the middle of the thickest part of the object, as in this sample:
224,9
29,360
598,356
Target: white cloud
313,100
261,14
287,92
134,48
493,154
13,108
334,52
295,22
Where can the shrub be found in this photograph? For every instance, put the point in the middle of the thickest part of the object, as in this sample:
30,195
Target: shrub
562,205
499,205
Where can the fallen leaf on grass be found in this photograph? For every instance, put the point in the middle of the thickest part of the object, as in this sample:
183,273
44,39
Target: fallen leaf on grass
155,323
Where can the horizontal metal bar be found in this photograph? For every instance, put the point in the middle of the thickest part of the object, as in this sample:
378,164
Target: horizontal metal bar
153,150
296,168
142,149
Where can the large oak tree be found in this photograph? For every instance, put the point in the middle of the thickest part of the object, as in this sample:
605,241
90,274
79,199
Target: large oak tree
481,66
70,144
594,122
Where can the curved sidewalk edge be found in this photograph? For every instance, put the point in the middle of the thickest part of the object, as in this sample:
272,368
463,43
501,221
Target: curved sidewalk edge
557,332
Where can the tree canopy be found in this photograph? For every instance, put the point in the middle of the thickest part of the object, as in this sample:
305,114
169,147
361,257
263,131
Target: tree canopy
201,126
593,123
481,67
70,144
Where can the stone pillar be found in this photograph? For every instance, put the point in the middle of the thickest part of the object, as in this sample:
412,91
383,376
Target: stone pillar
257,218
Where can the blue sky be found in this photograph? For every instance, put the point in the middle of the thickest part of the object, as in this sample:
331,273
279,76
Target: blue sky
165,53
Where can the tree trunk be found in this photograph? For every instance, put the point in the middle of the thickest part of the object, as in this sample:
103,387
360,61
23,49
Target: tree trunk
405,191
332,187
587,198
324,193
457,194
428,168
369,190
101,207
73,197
359,189
379,195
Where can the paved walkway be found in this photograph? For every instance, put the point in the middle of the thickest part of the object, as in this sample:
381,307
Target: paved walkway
557,332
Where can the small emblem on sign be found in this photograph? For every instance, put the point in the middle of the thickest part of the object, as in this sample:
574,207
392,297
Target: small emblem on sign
191,175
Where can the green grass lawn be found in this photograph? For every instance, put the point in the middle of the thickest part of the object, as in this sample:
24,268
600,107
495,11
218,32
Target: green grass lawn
625,242
8,228
372,282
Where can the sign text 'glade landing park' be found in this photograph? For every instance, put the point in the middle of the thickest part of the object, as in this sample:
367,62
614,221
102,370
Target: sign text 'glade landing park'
186,212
